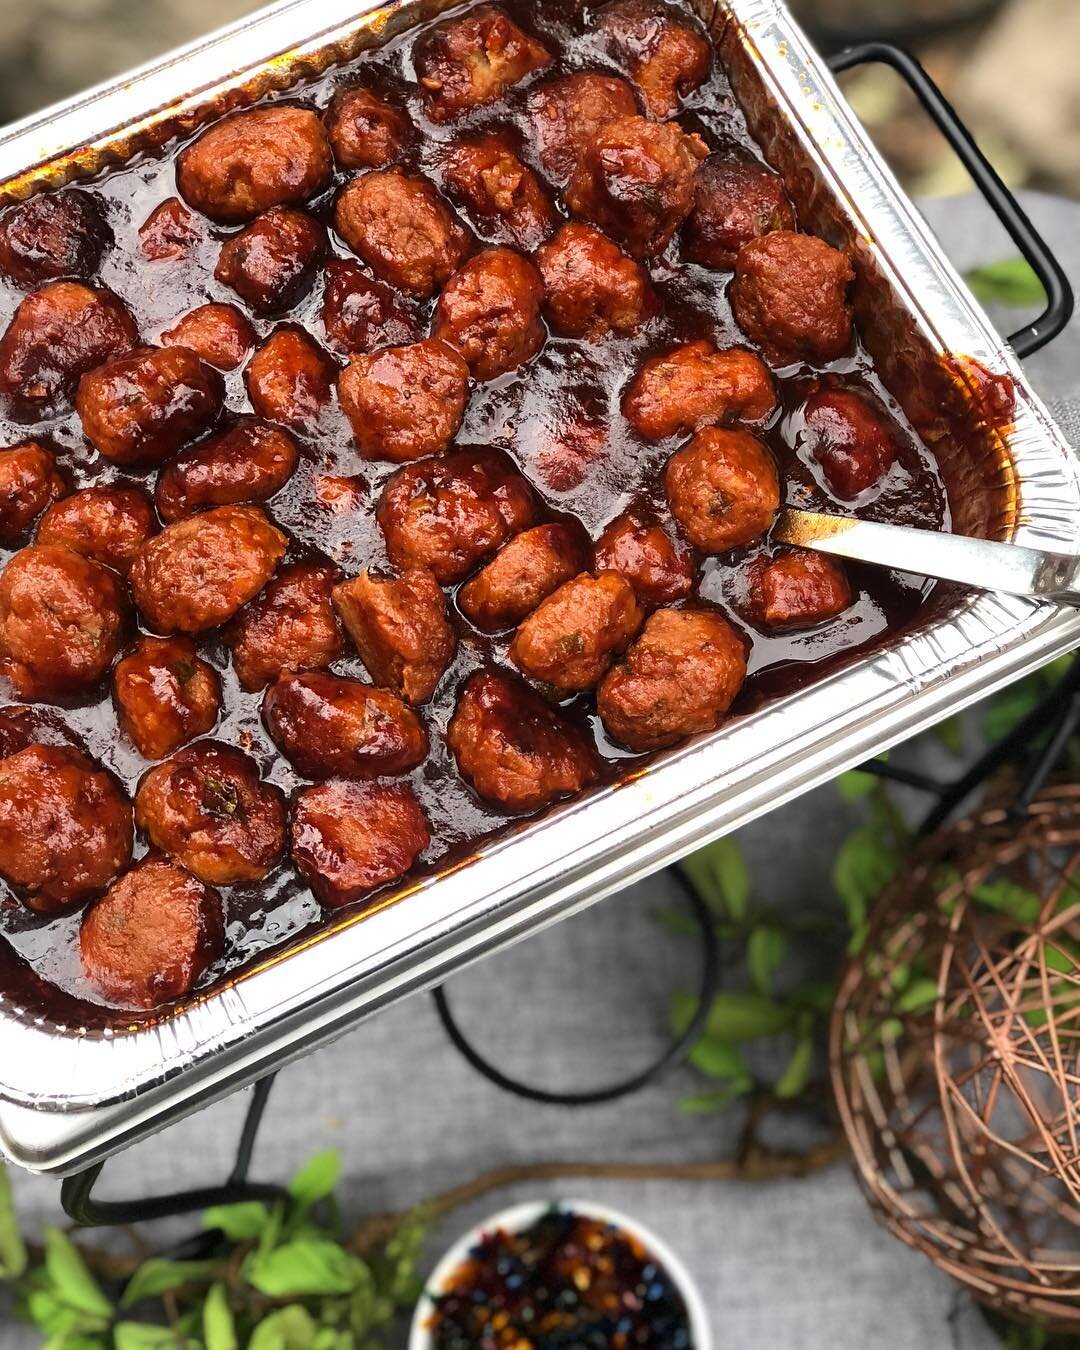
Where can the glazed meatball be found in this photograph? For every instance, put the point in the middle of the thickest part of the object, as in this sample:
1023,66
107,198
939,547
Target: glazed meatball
568,112
359,314
53,235
219,334
152,936
254,160
169,232
636,545
796,589
65,827
662,49
790,297
348,839
23,724
592,287
62,621
723,489
490,311
365,131
472,60
141,408
198,572
405,402
514,750
447,514
291,625
249,462
400,226
56,335
679,678
29,481
635,180
272,263
207,808
290,380
850,435
108,524
399,627
166,695
572,638
522,574
504,198
735,201
694,385
329,727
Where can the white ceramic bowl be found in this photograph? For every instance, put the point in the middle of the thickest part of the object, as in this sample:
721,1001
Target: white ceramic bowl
519,1217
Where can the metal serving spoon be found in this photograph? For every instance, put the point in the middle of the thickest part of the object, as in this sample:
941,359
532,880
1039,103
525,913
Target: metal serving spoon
979,563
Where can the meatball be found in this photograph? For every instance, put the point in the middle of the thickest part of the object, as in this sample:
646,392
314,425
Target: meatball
271,264
522,574
166,695
514,750
572,638
568,112
198,572
219,334
141,408
22,725
56,335
723,489
365,131
400,226
635,180
735,201
65,827
53,235
694,385
207,808
62,621
790,297
490,311
405,402
850,435
329,727
29,481
661,48
359,314
592,287
796,589
679,678
168,233
348,839
291,625
249,462
290,380
108,524
637,545
400,629
253,160
152,936
448,513
472,60
503,196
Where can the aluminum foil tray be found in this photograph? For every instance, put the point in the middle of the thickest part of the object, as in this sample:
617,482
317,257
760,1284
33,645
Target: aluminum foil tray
70,1098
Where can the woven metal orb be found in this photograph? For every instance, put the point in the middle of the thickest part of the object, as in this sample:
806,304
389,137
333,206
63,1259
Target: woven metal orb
955,1057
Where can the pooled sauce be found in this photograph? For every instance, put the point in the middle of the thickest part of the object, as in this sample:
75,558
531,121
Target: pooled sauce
558,417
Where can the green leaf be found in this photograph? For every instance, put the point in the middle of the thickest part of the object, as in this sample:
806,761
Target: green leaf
304,1267
50,1314
72,1282
675,921
77,1340
156,1277
705,1103
718,1059
1012,282
920,993
242,1222
950,733
853,785
402,1255
12,1246
317,1178
1006,710
334,1338
288,1329
733,1016
1005,897
145,1336
720,876
797,1071
219,1329
766,949
863,867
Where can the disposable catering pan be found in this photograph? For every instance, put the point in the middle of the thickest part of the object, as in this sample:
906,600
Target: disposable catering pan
72,1095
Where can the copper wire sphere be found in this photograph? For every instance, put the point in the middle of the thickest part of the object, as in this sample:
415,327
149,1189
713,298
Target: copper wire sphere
963,1109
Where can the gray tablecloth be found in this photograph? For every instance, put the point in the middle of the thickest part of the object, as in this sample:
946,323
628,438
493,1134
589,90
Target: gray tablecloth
800,1264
